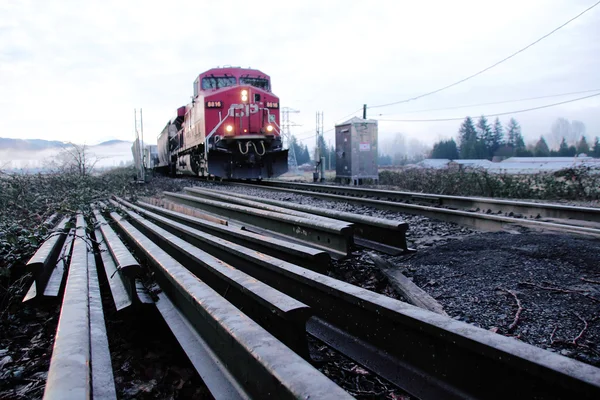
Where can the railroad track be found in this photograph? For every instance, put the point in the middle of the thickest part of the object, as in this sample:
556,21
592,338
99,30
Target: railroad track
241,305
486,214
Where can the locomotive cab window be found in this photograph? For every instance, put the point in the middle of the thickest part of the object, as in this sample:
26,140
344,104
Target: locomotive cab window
260,83
217,82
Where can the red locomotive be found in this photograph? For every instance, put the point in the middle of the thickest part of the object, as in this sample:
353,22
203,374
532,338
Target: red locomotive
229,130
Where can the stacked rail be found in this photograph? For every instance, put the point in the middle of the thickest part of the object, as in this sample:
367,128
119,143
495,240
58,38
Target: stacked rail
428,355
242,316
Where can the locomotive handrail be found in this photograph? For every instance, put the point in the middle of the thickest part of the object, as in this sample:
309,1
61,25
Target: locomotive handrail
218,125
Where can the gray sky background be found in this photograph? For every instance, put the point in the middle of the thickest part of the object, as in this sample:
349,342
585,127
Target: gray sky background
75,70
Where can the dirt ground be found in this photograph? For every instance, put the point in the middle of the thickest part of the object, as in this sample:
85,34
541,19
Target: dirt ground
555,277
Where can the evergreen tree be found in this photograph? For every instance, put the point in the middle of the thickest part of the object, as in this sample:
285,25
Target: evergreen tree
582,146
541,148
302,155
596,149
497,136
384,159
563,148
484,134
468,138
514,132
306,155
445,149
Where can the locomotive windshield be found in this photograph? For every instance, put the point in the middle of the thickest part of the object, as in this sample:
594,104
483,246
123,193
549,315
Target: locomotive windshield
260,83
217,82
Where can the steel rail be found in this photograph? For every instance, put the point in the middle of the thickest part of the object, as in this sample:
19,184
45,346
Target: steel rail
243,359
278,313
43,264
125,286
485,222
335,238
308,257
366,229
544,210
80,366
428,355
126,264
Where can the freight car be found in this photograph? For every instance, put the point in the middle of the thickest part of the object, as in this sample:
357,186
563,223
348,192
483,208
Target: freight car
231,129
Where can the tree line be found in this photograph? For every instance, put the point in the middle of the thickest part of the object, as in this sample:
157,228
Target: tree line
303,155
485,141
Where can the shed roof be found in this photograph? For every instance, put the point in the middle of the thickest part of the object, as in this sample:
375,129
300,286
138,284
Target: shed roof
356,120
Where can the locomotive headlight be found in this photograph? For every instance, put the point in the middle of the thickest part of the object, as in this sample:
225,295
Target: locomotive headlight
244,95
229,128
269,128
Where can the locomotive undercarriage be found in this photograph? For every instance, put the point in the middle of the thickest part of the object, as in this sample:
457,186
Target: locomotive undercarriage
253,157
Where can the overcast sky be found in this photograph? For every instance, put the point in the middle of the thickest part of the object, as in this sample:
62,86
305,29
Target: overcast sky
75,70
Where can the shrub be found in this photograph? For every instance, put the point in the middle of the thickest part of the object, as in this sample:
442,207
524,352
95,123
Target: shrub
581,183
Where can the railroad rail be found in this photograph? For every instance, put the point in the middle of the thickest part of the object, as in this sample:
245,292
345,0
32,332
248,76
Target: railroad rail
376,233
334,237
242,316
80,366
477,212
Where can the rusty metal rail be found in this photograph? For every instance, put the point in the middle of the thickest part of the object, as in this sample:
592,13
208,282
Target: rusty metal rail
428,355
369,231
333,237
235,356
47,264
298,254
278,313
80,366
122,271
477,220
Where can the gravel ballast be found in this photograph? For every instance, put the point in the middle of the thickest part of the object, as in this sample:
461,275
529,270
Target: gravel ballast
479,276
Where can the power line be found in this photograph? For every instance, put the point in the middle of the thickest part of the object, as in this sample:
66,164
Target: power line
491,66
490,115
349,115
498,102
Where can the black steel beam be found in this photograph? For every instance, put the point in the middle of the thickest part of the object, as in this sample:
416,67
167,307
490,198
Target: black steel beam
379,230
335,238
485,222
43,262
308,257
125,263
80,366
121,269
278,313
428,355
257,364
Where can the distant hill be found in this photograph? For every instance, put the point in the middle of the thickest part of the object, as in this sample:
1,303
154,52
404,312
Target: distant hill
40,144
29,144
111,142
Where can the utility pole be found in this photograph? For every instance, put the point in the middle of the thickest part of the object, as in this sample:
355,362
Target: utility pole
364,111
286,124
319,174
329,155
140,146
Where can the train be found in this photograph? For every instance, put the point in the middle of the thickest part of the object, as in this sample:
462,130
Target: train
229,130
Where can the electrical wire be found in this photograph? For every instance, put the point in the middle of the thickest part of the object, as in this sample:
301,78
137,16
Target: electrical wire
496,102
491,115
491,66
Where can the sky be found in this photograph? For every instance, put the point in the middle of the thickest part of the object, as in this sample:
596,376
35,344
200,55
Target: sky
76,70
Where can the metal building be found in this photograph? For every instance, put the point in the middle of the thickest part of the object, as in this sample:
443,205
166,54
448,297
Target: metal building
356,151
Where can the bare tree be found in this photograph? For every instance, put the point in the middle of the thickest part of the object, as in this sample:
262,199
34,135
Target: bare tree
76,159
